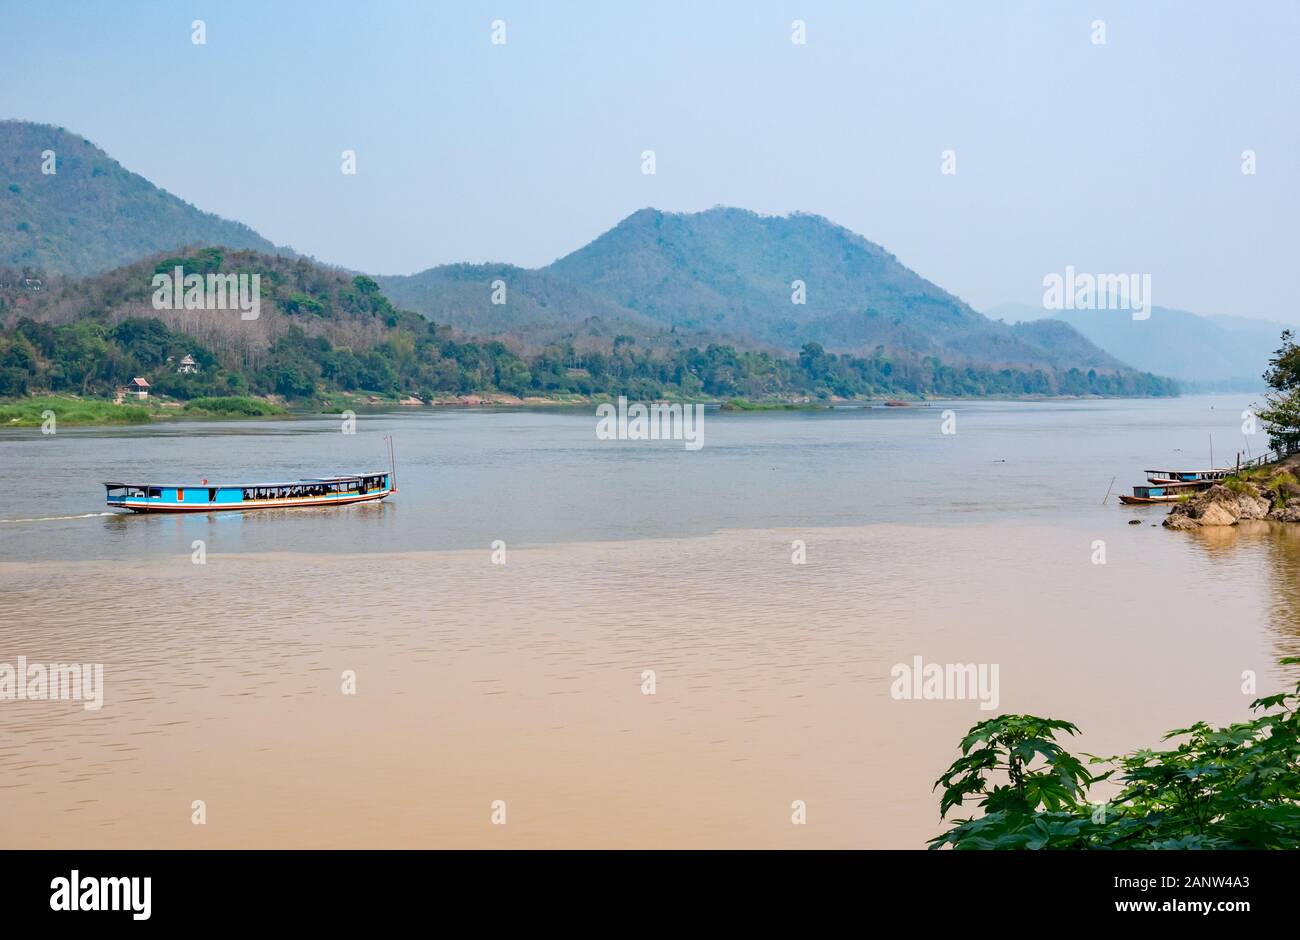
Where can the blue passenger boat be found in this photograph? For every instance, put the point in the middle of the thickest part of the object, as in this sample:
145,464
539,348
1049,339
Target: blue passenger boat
209,497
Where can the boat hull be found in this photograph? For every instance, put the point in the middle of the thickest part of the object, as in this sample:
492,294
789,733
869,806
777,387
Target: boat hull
1164,492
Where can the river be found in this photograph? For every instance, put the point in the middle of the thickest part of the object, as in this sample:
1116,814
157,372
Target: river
500,624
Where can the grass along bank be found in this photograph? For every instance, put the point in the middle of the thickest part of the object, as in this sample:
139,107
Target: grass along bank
67,410
33,412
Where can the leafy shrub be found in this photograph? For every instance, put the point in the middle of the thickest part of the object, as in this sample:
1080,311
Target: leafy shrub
233,405
1220,788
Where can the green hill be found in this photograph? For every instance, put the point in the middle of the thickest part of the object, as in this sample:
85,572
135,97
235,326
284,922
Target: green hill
726,276
321,331
91,214
691,304
731,271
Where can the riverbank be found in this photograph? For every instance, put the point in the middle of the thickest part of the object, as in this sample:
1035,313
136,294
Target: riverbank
35,412
1261,493
740,404
71,410
74,410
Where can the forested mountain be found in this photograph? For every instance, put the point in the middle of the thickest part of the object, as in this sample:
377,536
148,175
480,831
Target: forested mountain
91,214
735,272
320,330
734,276
689,304
729,275
91,335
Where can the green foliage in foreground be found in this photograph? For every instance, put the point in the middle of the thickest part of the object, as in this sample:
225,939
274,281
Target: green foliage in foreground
233,405
1220,788
30,412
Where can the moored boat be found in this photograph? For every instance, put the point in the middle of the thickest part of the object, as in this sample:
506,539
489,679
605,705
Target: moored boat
1189,476
1169,492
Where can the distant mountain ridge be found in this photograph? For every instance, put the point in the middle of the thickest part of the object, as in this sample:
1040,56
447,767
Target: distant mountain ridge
736,271
725,277
91,214
732,273
1204,353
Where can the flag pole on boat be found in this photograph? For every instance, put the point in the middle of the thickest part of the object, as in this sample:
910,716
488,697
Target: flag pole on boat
392,464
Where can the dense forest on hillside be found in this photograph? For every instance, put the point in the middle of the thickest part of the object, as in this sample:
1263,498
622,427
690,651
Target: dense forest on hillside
322,331
699,304
782,281
92,357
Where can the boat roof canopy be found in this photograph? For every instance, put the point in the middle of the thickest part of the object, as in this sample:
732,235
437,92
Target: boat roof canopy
244,486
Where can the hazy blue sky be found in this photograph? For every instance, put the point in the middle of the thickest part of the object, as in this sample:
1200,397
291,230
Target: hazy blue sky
1123,157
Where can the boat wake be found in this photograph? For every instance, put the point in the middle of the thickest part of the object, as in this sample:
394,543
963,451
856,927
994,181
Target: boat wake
84,515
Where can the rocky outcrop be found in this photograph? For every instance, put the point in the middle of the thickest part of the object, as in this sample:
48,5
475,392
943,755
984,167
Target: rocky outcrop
1266,497
1180,520
1253,507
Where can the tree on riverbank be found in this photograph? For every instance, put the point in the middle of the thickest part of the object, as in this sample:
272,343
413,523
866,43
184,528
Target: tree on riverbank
1220,788
1282,416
